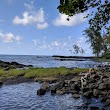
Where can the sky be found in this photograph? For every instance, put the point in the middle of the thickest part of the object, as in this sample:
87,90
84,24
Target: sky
35,27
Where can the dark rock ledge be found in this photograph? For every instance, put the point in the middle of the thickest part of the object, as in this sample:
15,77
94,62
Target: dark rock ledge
12,65
98,86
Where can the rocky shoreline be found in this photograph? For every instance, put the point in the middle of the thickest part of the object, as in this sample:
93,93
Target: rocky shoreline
12,65
98,84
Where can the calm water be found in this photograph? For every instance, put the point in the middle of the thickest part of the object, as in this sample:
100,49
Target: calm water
47,61
23,97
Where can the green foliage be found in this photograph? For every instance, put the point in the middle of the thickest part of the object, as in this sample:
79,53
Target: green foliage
100,43
99,18
106,55
78,49
95,39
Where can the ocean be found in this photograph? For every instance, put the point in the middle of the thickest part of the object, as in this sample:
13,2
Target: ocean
49,61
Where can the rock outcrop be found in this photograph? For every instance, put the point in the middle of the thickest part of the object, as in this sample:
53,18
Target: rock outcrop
97,86
12,65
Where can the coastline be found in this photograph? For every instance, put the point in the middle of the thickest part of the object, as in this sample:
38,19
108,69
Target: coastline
80,58
66,80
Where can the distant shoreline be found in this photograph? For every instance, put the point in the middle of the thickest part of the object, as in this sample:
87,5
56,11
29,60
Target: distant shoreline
87,57
76,58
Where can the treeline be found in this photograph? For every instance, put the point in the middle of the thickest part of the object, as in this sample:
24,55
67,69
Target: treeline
100,42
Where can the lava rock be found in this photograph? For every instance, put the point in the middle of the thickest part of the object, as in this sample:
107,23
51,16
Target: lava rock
60,92
88,94
1,83
41,92
96,93
53,90
94,108
102,86
45,86
76,96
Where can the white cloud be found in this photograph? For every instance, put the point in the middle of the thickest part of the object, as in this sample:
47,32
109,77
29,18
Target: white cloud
77,19
44,46
31,16
42,25
29,6
9,37
56,43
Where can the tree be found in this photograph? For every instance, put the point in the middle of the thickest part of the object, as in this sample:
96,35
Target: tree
99,19
99,16
95,39
78,49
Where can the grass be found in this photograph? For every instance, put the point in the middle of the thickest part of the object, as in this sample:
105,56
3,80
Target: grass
14,72
40,72
2,73
51,72
44,72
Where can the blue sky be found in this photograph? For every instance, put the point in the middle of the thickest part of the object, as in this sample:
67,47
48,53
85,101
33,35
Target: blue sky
35,27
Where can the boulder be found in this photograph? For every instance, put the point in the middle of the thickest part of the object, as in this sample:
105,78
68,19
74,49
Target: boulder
100,81
94,108
107,102
1,83
95,76
102,86
88,94
102,98
60,92
108,86
60,84
45,86
53,90
92,86
41,92
74,92
96,93
85,89
75,87
76,96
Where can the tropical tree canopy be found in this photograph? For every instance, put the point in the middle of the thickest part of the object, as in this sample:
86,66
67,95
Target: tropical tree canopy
99,16
99,21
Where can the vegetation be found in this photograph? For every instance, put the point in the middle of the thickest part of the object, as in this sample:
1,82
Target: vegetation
51,72
40,72
14,72
78,49
98,18
106,55
98,32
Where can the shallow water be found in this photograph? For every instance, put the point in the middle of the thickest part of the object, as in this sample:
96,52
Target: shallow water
24,97
48,61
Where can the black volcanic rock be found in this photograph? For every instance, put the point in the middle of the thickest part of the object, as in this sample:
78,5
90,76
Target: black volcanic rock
12,65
